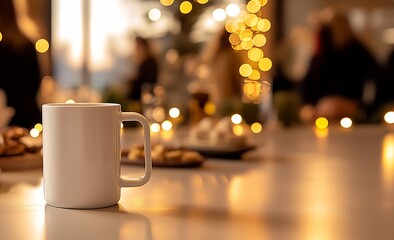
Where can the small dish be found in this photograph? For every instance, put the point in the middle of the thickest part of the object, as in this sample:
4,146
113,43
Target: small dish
227,151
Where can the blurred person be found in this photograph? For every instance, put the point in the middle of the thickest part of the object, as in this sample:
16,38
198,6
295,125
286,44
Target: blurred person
384,100
290,65
225,90
341,65
146,75
20,75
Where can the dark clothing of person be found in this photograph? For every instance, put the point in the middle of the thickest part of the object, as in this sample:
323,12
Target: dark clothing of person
339,72
20,79
146,76
384,93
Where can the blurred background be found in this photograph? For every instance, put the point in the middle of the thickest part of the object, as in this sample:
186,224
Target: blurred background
279,63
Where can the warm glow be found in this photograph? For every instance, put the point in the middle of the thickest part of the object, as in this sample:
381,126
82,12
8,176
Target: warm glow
255,54
264,25
251,19
321,133
167,2
389,117
246,35
172,56
246,45
263,2
234,39
236,119
34,133
1,36
154,14
219,15
209,108
155,127
158,114
346,122
38,126
42,46
185,7
255,75
121,125
388,157
245,70
256,127
202,1
265,87
321,123
233,10
253,6
259,40
265,64
174,112
70,101
238,130
166,125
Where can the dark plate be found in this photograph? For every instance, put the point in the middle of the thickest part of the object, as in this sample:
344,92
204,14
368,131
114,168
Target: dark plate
227,152
141,162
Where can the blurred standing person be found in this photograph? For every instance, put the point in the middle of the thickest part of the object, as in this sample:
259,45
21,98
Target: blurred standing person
20,75
334,83
384,100
147,72
225,81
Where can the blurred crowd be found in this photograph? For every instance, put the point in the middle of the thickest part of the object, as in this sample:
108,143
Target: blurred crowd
329,73
332,75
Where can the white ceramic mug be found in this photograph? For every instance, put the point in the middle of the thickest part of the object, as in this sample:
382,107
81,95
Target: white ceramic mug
81,151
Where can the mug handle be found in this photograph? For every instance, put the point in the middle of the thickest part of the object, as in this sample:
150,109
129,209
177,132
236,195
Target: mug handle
135,182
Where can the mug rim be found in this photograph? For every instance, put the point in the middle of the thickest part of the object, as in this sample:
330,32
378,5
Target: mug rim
71,105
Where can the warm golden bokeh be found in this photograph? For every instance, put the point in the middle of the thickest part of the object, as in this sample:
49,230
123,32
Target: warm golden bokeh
167,2
42,45
185,7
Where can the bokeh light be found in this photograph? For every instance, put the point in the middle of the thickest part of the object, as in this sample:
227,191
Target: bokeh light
185,7
245,70
251,20
253,6
38,126
1,36
389,117
70,101
247,44
209,108
202,1
234,39
166,125
255,54
236,118
259,40
154,14
263,2
158,114
174,112
42,45
256,127
346,122
265,64
238,130
155,127
233,10
321,123
167,2
219,15
121,125
34,133
255,75
264,25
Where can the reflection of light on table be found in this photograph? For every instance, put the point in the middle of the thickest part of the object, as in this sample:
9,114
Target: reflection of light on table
388,158
321,133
